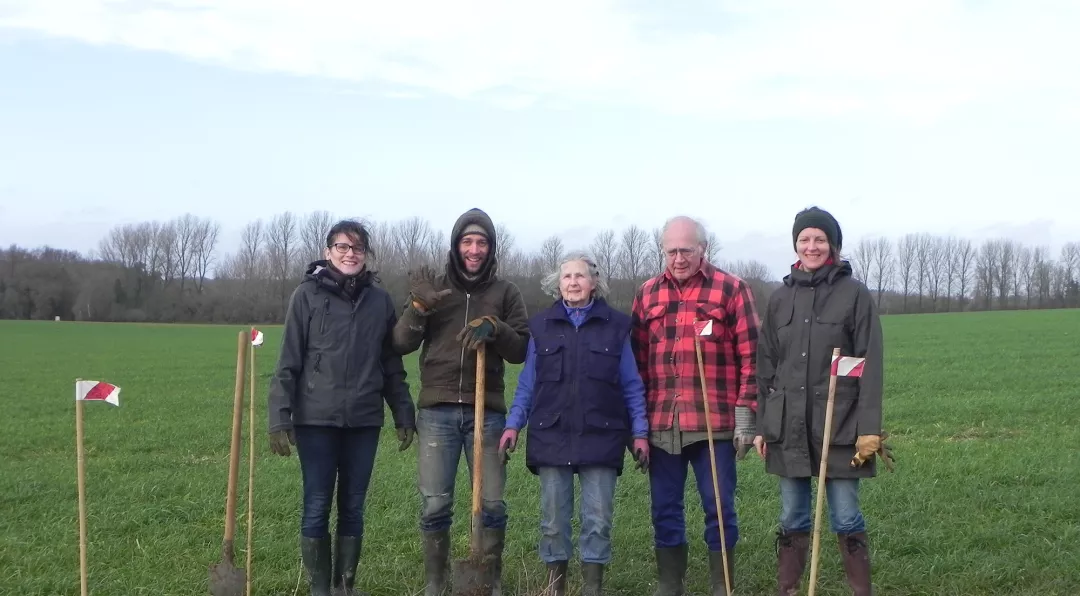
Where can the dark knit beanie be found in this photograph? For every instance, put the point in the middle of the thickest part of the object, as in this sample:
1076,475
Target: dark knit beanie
820,219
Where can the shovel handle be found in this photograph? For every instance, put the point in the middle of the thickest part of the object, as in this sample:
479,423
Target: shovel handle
478,441
234,447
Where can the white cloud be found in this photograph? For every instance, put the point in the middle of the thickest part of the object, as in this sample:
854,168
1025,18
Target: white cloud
913,60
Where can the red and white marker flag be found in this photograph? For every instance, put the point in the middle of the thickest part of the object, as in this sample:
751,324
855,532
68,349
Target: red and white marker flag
256,337
848,366
703,328
97,391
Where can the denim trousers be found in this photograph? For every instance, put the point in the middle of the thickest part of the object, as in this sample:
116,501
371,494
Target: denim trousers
845,517
330,455
667,483
443,432
557,511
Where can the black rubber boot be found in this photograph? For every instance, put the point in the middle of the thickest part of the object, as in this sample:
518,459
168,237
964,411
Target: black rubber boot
716,572
315,554
436,561
346,557
493,541
671,569
592,579
555,583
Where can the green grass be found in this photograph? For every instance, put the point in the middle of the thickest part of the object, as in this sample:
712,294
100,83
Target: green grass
982,409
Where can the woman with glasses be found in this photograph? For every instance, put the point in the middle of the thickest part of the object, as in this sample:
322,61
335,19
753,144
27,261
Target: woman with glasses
335,371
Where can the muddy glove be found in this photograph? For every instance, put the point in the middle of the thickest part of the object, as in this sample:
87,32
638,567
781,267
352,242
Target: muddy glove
280,441
745,431
478,331
641,454
405,437
866,446
507,445
422,290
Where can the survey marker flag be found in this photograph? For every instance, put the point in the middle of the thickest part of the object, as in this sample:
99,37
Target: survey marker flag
256,337
97,391
703,328
848,366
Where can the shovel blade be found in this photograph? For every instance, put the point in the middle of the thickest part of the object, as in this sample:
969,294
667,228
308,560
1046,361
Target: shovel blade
472,577
227,580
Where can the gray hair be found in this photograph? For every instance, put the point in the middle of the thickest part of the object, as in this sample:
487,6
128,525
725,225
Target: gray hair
550,283
702,234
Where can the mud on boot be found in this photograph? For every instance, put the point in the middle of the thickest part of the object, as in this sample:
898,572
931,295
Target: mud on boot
315,554
436,562
671,571
346,556
493,541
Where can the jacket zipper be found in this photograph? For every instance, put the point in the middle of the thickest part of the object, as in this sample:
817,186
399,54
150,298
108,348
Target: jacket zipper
352,346
580,417
461,363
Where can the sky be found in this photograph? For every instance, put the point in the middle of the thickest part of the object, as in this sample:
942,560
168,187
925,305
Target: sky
561,117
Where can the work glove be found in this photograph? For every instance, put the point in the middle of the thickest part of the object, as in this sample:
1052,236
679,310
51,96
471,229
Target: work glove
867,446
745,431
478,331
641,454
507,444
422,290
405,437
280,441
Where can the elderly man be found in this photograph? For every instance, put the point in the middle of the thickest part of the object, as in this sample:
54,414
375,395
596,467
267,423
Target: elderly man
452,314
665,309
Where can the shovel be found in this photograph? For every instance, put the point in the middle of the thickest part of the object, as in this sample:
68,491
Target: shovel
472,576
225,578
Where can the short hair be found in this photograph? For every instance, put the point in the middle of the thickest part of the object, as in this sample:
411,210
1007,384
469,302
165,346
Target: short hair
550,283
352,229
702,234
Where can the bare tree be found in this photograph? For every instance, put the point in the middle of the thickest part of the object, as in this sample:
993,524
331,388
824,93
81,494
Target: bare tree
937,259
632,257
187,231
986,270
1041,269
313,236
438,246
411,237
712,248
658,242
749,270
948,265
164,253
1070,261
504,243
906,250
251,245
605,249
206,239
281,244
862,258
551,252
922,266
964,254
883,266
1025,274
1006,268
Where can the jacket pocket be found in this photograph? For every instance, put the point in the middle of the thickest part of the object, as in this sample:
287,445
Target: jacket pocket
719,331
844,423
772,422
656,323
604,420
782,322
602,363
549,362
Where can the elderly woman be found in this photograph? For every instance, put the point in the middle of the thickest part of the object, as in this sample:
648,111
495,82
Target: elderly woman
820,306
582,394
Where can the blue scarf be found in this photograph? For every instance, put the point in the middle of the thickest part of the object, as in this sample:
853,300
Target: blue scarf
577,314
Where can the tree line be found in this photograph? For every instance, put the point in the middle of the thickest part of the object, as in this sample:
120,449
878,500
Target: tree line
176,271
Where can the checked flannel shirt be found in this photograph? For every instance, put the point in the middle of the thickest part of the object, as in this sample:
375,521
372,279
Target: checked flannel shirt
662,337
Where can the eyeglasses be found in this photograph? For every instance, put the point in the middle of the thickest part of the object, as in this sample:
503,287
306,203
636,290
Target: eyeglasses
686,253
342,248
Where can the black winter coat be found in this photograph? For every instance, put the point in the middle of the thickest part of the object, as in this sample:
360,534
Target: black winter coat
808,316
337,365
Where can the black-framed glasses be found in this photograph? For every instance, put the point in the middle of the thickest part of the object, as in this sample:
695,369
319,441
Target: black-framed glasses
342,248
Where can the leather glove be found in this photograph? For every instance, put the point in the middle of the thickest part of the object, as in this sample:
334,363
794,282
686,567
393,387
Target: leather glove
405,437
280,441
745,431
478,331
422,289
507,444
867,446
641,454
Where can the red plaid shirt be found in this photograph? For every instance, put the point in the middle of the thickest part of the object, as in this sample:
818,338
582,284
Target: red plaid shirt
663,339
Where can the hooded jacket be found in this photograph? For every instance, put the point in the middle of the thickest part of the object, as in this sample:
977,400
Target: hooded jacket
447,368
337,364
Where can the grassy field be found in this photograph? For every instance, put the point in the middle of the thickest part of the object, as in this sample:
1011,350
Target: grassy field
982,409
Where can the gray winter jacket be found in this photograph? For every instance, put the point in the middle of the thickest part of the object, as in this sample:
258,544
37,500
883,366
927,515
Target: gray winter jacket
337,365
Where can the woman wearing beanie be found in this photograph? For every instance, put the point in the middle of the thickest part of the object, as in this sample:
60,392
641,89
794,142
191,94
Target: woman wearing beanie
820,306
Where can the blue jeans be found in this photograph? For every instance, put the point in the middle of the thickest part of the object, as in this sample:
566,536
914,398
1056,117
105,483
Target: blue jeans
443,432
667,482
557,509
796,506
328,455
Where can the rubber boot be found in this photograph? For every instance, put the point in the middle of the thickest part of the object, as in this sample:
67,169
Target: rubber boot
493,540
436,561
592,579
791,551
315,554
856,554
346,557
555,584
671,569
716,572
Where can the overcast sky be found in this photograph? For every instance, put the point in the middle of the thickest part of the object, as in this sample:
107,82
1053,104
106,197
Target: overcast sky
555,117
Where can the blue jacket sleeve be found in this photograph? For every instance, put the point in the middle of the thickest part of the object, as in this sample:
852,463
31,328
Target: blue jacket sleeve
633,392
518,416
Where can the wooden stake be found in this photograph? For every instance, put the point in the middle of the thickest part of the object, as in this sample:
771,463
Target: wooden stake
821,474
251,466
81,458
712,463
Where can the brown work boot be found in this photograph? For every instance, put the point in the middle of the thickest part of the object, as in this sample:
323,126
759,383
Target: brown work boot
791,550
671,568
555,582
856,555
716,572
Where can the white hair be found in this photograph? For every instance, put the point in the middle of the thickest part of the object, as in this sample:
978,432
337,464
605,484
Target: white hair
699,228
550,283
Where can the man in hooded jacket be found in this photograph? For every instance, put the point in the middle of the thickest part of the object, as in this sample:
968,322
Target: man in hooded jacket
451,314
